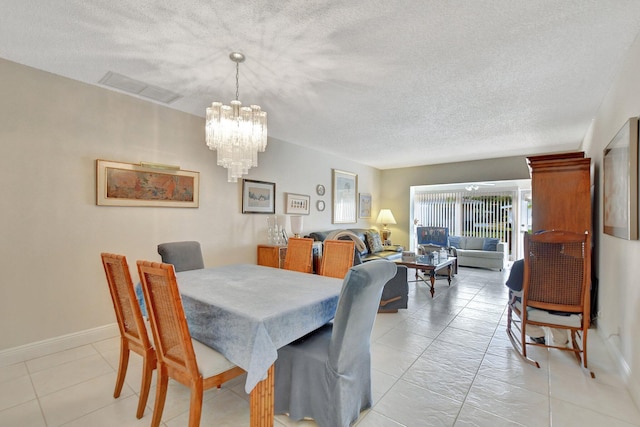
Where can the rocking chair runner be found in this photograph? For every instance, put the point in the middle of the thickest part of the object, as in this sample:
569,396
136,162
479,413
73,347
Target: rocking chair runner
555,291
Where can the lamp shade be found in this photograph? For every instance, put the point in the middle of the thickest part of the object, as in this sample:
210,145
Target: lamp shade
296,225
385,217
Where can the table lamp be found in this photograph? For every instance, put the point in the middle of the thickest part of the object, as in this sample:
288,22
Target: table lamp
385,217
296,225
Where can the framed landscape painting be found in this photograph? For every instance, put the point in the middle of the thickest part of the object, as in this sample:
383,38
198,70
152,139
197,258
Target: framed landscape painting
258,197
345,193
129,184
620,189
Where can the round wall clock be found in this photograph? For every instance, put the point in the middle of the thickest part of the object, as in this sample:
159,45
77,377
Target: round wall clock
320,190
320,205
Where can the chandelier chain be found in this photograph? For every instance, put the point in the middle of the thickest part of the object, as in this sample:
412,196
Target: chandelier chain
237,80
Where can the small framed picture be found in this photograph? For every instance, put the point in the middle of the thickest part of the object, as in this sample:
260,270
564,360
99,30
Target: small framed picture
297,204
258,197
364,205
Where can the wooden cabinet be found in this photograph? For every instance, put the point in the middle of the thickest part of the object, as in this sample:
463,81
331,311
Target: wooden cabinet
561,192
271,255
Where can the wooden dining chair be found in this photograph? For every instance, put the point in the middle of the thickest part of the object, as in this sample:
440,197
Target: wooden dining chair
555,291
337,258
187,361
299,254
133,332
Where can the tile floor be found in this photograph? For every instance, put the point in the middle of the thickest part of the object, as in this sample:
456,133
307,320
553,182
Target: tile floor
444,361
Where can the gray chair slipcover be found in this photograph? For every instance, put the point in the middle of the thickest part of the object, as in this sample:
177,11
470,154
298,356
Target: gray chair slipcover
326,375
183,255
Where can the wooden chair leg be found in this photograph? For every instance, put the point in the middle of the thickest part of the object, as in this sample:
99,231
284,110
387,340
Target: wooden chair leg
122,367
149,363
161,395
195,408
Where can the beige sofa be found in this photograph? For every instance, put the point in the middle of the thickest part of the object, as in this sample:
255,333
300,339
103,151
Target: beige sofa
481,252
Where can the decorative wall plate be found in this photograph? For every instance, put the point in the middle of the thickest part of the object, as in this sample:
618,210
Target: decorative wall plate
320,190
320,205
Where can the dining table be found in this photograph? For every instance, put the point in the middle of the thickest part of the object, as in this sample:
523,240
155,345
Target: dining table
247,312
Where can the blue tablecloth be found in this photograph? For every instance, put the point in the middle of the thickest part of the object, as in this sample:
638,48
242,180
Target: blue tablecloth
246,312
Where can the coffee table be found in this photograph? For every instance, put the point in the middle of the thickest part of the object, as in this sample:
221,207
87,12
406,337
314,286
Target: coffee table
430,271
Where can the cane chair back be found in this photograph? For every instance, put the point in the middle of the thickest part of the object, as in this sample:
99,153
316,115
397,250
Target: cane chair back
555,290
178,354
133,332
337,258
299,254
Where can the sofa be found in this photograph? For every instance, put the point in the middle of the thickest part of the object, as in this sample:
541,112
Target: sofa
483,252
396,292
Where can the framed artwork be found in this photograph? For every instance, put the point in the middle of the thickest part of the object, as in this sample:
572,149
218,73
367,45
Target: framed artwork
258,197
364,205
297,204
145,184
345,193
620,189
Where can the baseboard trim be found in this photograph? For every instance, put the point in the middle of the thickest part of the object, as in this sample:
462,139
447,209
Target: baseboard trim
619,362
56,344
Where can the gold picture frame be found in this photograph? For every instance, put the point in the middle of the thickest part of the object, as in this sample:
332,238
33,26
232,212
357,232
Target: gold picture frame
345,194
145,184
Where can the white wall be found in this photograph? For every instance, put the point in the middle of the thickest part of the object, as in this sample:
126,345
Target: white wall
52,130
617,261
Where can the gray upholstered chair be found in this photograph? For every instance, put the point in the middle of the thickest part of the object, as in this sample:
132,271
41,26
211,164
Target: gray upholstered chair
183,255
326,375
395,293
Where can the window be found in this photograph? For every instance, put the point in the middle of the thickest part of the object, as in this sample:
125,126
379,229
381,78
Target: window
467,213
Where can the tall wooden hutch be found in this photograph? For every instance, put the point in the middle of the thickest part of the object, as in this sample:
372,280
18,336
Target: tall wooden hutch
561,192
561,199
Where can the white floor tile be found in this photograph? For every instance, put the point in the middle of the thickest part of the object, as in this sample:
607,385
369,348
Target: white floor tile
509,402
411,405
16,391
27,414
70,373
567,414
474,417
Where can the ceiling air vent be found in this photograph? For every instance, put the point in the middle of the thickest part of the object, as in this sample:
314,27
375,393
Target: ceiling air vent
136,87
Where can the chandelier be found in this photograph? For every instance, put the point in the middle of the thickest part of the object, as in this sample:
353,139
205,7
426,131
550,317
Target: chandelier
237,133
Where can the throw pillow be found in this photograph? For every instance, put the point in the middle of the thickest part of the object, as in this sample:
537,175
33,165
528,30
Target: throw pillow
490,244
374,242
454,241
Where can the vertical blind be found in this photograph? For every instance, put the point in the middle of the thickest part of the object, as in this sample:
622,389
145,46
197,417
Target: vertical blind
464,213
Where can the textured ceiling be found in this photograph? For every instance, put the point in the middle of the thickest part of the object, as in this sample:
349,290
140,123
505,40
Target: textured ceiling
387,83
